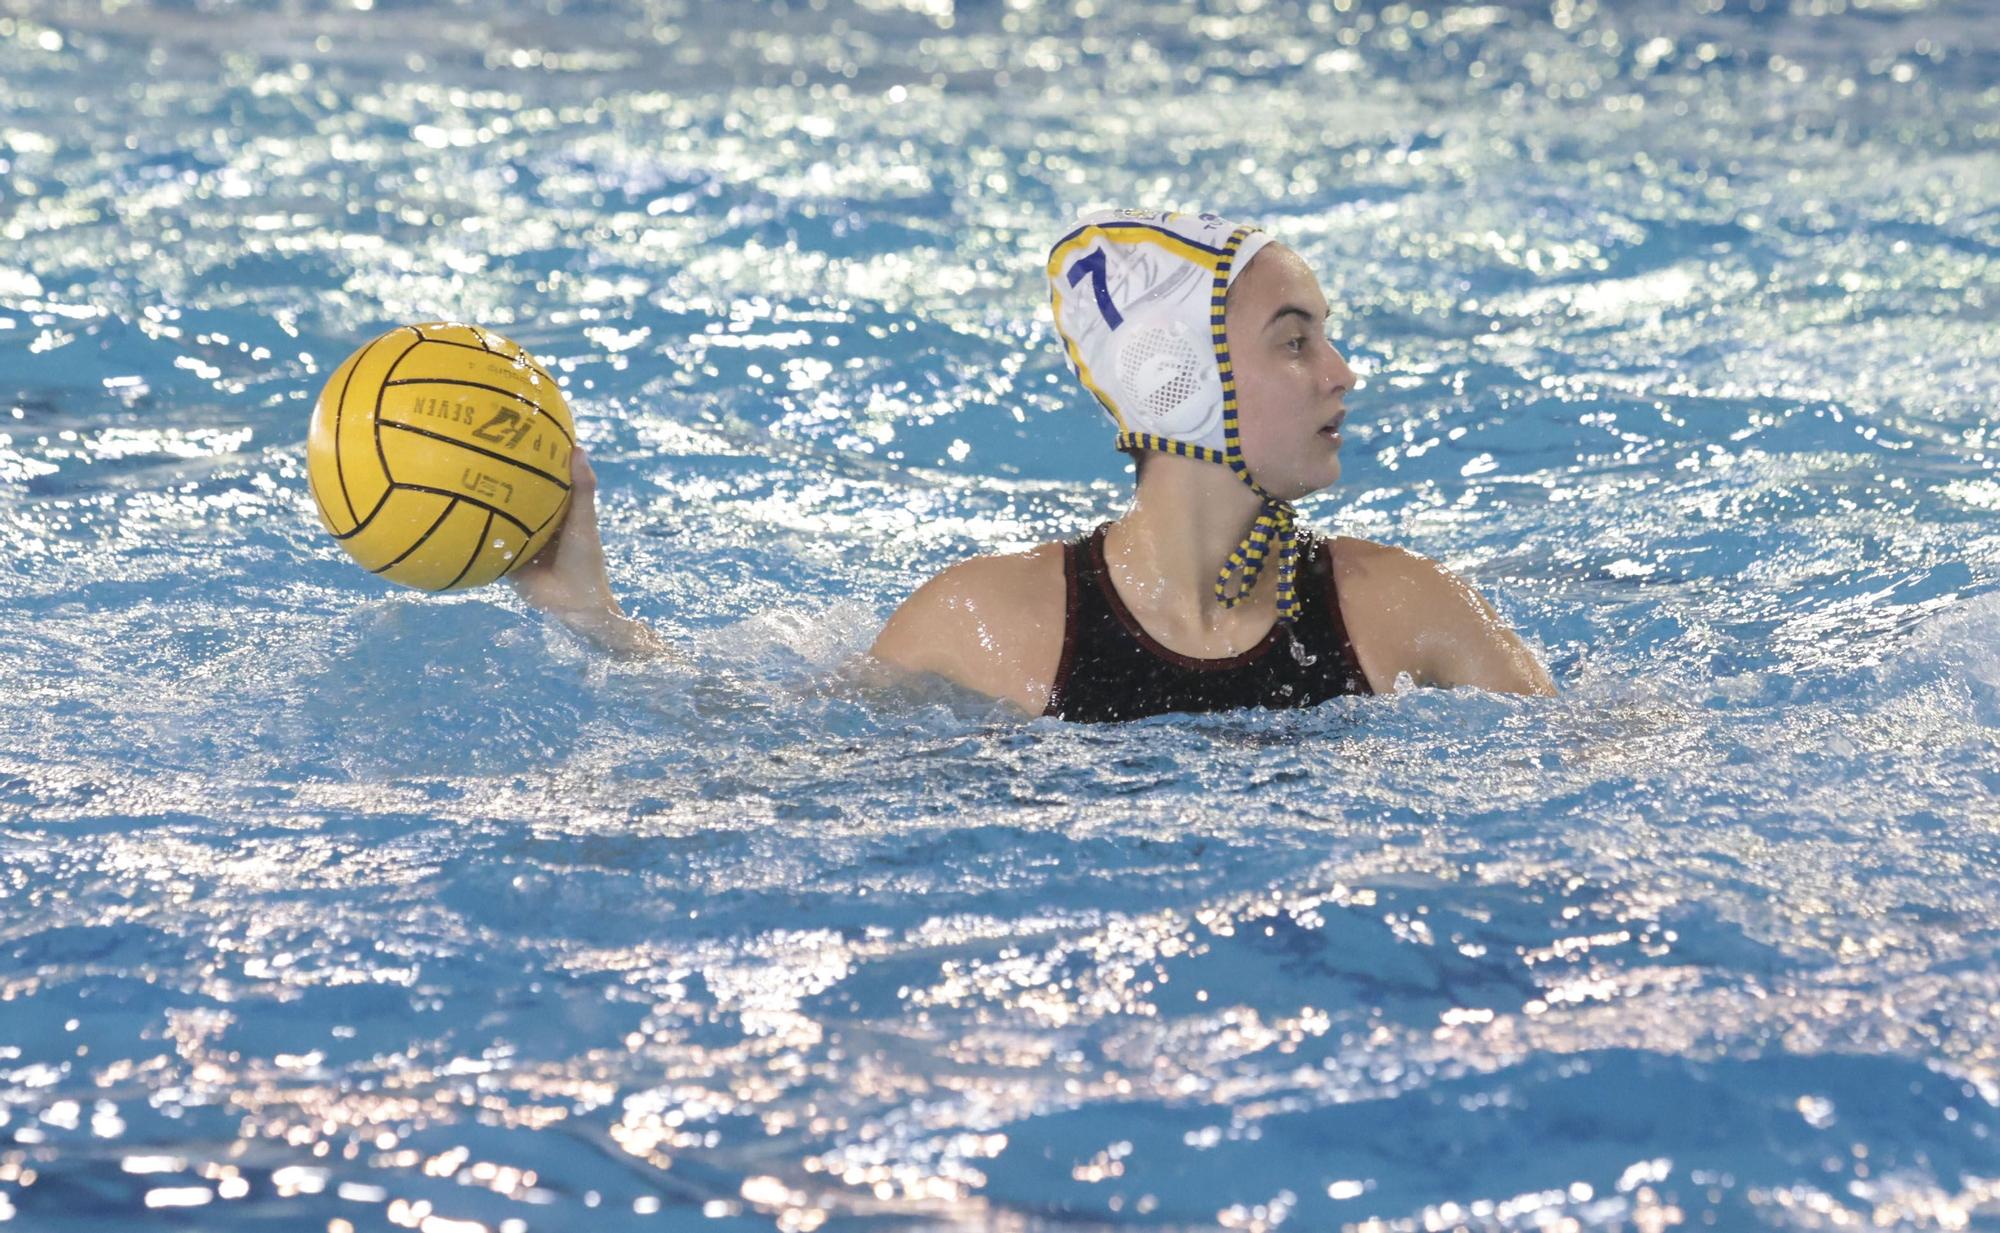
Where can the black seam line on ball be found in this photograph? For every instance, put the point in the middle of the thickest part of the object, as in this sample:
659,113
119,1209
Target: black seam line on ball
324,516
383,389
453,342
459,496
339,410
478,547
401,556
496,455
361,526
520,356
560,509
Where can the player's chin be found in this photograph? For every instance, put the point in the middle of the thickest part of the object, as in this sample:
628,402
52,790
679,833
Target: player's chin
1324,473
1305,481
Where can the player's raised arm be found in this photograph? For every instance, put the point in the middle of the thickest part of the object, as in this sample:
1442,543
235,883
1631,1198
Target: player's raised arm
567,580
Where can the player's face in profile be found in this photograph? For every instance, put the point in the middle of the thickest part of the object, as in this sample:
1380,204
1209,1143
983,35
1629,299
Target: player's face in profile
1290,381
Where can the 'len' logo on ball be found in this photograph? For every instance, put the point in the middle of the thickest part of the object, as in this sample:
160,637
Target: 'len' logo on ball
480,484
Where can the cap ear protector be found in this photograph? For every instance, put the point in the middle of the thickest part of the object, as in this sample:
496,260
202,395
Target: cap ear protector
1138,298
1165,377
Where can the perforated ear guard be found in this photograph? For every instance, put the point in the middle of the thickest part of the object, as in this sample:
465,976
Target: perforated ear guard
1166,377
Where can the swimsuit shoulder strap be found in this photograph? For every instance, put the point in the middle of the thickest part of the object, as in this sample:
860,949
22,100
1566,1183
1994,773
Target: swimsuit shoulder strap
1079,585
1324,622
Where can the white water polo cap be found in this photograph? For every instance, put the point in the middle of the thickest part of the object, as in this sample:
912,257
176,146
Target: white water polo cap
1138,298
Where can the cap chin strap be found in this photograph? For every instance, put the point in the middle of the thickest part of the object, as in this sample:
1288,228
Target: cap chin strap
1276,525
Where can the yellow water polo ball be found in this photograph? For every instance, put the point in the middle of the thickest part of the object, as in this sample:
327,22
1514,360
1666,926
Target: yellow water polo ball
439,456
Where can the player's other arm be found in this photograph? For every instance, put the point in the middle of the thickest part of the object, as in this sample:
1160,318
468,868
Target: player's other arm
992,625
1409,614
567,579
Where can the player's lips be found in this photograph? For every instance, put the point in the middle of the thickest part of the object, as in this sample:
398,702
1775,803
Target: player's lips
1331,429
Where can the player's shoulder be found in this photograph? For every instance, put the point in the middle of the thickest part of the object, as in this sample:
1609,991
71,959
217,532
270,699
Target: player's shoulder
991,623
1400,608
1005,569
1407,613
1367,551
1386,568
1026,584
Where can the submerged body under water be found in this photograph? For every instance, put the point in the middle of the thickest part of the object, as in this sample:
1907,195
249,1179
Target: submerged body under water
333,906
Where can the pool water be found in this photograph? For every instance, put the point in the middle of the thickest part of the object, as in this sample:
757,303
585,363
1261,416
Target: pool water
331,906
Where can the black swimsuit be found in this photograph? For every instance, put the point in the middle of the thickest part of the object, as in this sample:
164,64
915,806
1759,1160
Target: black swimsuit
1112,669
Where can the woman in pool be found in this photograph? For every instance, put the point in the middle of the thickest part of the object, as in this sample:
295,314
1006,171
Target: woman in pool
1206,343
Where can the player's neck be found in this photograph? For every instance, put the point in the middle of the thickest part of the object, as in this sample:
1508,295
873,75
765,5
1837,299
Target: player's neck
1186,518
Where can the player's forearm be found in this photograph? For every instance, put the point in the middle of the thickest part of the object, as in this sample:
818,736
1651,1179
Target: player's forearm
1535,675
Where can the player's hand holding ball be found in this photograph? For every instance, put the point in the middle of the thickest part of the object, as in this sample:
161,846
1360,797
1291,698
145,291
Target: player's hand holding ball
568,581
442,456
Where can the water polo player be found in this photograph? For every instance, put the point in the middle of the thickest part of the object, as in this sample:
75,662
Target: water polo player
1205,341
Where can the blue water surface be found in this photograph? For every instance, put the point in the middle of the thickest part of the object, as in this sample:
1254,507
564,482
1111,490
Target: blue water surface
331,906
